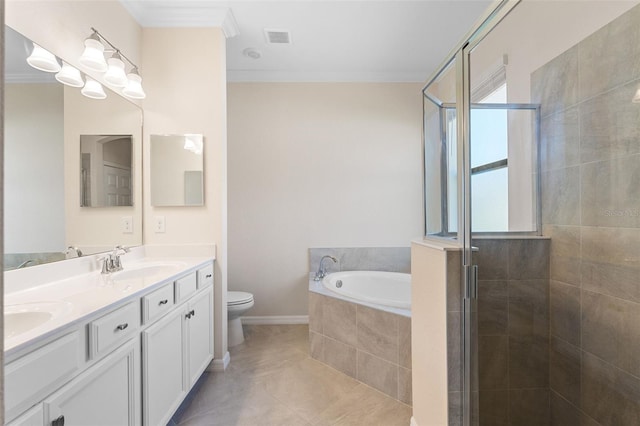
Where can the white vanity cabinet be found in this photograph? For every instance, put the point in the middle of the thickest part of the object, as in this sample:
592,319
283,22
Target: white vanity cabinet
106,394
170,369
130,365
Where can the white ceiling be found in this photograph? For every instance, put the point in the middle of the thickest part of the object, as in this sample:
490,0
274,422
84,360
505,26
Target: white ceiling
346,40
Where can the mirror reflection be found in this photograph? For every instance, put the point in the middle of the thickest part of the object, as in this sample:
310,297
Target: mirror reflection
105,170
45,122
177,170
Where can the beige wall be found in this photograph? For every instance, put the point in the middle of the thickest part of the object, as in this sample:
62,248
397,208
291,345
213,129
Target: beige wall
436,347
317,165
185,81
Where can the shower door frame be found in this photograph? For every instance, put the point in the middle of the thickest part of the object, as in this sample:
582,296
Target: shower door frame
461,55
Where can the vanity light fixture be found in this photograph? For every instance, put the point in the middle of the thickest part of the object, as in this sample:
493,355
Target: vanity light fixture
114,69
636,97
70,76
93,89
43,60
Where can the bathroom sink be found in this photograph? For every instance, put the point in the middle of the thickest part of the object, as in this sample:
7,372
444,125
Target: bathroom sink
146,269
21,318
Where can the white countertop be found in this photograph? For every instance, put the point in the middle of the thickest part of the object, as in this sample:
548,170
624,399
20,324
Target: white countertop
83,295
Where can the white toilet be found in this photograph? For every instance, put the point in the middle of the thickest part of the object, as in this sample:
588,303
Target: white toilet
238,302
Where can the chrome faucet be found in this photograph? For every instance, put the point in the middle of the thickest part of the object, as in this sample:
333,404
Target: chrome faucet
322,272
112,261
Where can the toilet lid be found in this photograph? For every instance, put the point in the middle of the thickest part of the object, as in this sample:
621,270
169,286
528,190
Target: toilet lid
238,297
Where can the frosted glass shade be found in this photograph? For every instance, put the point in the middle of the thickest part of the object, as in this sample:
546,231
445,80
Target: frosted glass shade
70,76
115,74
93,56
636,97
92,89
134,89
43,60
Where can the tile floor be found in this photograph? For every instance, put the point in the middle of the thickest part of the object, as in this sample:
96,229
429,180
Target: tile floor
272,381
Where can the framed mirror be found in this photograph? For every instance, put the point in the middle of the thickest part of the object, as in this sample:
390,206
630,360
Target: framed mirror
177,169
45,122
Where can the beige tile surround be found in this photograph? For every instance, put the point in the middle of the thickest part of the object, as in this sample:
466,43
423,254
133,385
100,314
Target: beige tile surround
367,344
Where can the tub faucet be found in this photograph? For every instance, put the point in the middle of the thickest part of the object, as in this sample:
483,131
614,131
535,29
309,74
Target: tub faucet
322,272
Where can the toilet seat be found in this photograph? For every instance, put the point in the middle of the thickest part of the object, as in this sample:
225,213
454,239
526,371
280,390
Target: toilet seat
235,298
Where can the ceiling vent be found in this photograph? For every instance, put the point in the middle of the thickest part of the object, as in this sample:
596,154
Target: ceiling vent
277,36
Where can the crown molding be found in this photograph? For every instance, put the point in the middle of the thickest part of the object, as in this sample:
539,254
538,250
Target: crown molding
181,14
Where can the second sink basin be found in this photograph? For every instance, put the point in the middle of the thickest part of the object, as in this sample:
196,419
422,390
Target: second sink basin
21,318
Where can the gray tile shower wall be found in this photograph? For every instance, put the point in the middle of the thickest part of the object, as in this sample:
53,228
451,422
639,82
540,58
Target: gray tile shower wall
513,331
389,259
590,136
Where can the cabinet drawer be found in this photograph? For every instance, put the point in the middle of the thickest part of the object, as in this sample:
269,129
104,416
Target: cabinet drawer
113,328
155,305
33,417
29,379
205,277
185,287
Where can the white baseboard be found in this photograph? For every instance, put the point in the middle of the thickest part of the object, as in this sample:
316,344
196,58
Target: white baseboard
413,421
276,320
221,364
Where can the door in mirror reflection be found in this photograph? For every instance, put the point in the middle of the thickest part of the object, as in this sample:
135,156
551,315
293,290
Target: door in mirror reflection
105,170
177,170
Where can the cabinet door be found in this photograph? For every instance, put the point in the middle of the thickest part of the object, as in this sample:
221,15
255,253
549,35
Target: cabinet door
106,394
162,369
199,335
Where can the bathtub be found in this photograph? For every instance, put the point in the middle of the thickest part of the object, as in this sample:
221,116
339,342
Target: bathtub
391,289
360,324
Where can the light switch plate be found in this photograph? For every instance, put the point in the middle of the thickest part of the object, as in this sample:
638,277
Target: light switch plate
159,224
127,224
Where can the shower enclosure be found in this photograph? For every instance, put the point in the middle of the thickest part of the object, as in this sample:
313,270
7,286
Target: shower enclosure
532,162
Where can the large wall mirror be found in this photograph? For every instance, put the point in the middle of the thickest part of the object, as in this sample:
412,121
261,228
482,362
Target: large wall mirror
48,129
177,170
